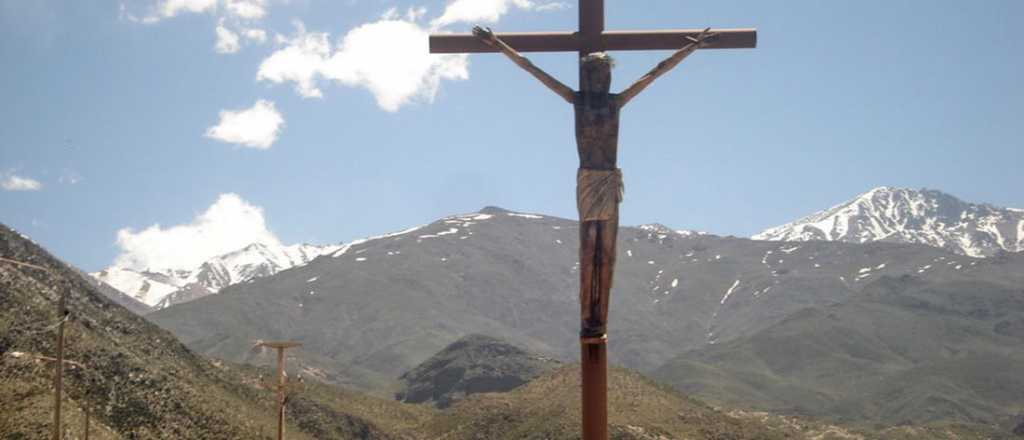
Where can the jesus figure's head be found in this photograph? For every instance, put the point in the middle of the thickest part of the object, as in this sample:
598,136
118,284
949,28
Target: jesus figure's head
596,73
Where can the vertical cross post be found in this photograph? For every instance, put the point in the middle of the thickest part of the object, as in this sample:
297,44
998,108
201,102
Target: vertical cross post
594,392
86,430
280,393
58,367
280,346
591,28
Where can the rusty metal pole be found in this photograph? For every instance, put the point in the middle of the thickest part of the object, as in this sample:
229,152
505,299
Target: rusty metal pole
58,367
280,393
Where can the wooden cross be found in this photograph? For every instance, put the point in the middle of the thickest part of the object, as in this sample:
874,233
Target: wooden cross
58,370
599,181
57,365
280,346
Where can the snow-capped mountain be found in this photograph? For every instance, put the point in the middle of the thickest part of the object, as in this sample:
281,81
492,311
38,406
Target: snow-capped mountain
903,215
162,288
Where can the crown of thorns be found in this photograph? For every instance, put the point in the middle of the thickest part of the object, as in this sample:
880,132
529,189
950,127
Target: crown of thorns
598,58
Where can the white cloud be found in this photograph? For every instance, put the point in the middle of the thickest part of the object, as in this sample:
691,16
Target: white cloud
255,127
388,57
227,41
300,62
229,224
257,35
247,9
171,8
477,11
14,182
553,6
234,18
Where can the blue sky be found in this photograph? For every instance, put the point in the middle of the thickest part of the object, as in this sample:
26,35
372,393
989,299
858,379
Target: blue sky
110,113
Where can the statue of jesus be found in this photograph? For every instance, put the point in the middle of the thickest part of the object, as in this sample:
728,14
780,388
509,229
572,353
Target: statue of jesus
599,185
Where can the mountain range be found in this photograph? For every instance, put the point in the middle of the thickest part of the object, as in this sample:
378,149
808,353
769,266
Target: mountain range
884,214
901,215
908,293
377,308
160,288
139,382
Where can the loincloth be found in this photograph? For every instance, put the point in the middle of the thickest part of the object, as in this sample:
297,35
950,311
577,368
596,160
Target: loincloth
598,193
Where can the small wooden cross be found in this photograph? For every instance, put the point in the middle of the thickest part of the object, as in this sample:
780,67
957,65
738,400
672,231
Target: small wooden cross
281,386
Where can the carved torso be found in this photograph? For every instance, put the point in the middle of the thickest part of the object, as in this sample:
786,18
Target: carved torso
597,130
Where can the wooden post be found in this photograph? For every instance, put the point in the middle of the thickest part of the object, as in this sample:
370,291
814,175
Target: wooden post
280,393
86,430
58,366
39,357
594,376
280,346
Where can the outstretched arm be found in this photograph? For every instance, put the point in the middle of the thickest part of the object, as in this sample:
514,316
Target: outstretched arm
663,67
488,37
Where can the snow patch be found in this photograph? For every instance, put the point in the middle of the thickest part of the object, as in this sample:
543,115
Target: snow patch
528,216
346,247
450,231
729,292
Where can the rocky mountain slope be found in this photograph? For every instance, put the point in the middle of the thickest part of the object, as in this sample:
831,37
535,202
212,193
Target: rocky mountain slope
904,348
160,288
140,383
472,365
911,216
548,408
379,307
138,380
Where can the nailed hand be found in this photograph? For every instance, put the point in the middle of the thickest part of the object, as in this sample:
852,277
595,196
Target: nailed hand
705,37
485,34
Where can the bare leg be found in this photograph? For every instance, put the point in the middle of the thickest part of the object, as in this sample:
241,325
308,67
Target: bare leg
590,325
607,233
597,266
597,263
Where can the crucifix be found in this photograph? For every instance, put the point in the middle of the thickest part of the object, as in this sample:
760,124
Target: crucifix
598,180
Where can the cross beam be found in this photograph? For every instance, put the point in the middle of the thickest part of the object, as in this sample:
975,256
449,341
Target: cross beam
593,38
